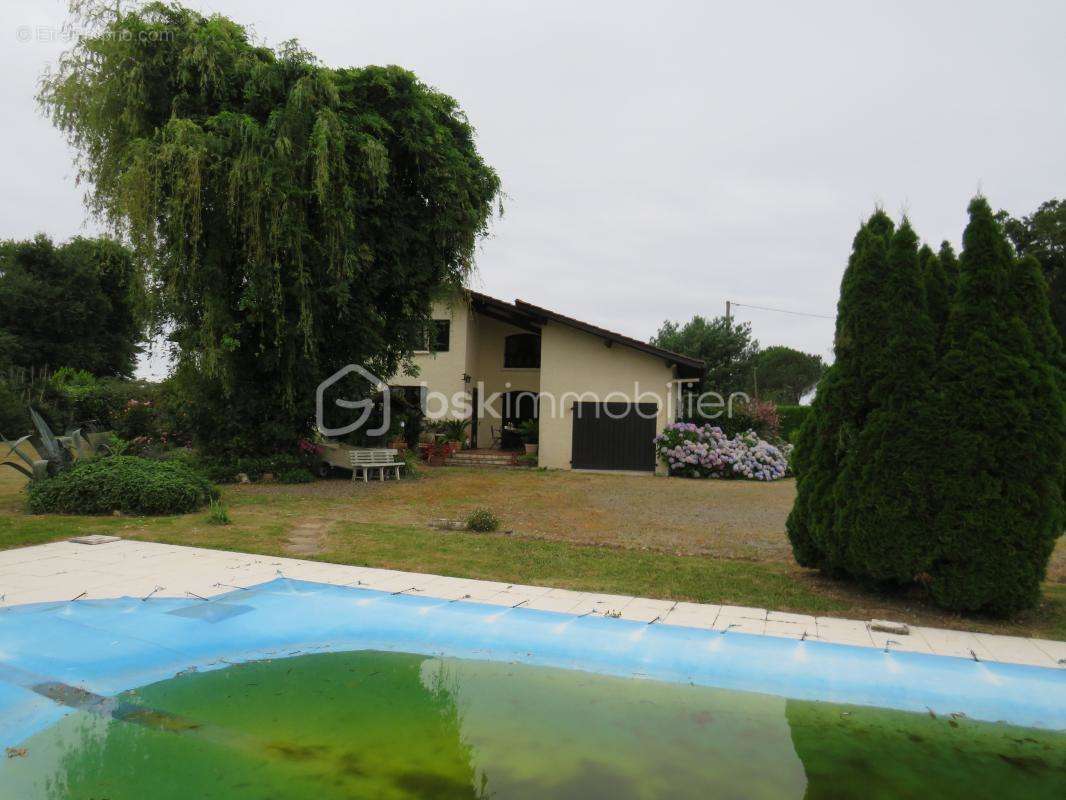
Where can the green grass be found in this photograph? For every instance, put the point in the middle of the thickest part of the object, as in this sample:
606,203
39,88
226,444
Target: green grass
24,531
515,559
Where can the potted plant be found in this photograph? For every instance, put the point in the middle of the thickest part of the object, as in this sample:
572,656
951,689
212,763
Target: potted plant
398,441
437,453
529,430
454,430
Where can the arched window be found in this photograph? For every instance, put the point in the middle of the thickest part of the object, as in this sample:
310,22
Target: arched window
521,351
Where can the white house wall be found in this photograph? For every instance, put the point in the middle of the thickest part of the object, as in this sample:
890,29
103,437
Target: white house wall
575,366
443,372
493,377
573,363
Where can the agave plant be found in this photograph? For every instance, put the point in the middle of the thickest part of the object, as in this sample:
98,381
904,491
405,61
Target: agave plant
454,430
54,453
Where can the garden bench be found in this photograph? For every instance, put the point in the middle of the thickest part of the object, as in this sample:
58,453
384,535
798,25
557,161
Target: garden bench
379,458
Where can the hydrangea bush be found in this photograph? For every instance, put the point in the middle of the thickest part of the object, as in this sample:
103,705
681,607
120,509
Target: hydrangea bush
704,451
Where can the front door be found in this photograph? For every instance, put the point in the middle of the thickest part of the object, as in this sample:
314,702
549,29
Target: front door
516,407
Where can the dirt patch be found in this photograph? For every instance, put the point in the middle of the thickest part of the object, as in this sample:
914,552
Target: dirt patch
307,538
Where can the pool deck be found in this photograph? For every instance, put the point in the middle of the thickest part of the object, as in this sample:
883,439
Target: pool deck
67,571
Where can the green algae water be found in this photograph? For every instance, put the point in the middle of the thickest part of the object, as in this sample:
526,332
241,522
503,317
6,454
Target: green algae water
394,725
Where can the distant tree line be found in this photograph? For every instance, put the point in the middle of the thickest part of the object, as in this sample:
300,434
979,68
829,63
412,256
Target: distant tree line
736,363
76,304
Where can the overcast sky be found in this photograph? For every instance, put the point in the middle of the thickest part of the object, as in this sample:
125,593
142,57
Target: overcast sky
661,158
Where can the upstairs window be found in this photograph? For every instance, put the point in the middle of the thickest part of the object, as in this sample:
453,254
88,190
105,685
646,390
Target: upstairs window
441,333
521,351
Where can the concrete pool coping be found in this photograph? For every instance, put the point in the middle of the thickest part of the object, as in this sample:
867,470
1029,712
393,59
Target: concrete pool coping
67,571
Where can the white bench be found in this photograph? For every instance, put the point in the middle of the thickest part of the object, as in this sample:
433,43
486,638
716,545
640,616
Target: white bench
379,458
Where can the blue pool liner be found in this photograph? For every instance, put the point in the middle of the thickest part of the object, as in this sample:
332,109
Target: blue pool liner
110,646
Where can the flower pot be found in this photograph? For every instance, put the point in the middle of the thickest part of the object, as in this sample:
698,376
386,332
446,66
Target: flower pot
531,448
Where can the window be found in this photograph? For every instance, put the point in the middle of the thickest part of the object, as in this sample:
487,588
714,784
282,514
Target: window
441,333
521,351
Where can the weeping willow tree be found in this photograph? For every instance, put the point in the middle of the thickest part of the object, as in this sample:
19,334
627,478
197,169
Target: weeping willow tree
290,218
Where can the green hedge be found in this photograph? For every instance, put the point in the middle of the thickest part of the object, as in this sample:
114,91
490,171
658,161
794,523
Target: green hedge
792,419
221,469
296,475
14,418
122,483
70,398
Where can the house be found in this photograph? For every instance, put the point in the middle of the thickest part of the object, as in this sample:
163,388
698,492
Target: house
600,397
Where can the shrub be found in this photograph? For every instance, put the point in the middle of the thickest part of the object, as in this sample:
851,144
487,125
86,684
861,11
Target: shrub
138,419
296,475
76,399
529,430
482,520
14,420
705,451
754,415
122,483
71,398
792,419
217,514
225,469
412,463
454,430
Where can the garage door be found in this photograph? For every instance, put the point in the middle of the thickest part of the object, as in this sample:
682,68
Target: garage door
614,436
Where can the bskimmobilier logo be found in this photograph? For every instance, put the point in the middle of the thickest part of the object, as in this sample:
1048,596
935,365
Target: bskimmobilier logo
364,406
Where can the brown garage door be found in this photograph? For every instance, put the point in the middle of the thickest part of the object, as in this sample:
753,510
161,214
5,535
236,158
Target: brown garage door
614,436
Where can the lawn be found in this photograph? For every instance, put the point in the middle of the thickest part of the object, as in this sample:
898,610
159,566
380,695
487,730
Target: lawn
705,541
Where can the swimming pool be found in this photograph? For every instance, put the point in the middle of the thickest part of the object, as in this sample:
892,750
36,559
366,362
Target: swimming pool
302,689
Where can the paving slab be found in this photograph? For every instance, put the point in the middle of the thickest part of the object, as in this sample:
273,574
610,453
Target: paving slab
744,612
693,615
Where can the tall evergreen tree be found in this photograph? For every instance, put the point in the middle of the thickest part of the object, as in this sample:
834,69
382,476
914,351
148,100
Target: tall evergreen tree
1032,305
884,503
950,264
842,402
938,290
1001,502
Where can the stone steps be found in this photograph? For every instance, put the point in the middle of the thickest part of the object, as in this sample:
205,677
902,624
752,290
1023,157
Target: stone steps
462,459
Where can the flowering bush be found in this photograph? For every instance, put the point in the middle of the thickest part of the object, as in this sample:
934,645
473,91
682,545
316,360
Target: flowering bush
704,451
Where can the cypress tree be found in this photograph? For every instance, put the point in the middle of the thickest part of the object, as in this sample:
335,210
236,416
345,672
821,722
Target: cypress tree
1031,305
950,265
815,462
1000,504
841,403
938,291
884,502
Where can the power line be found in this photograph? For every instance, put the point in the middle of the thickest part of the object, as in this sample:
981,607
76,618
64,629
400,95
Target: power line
784,311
